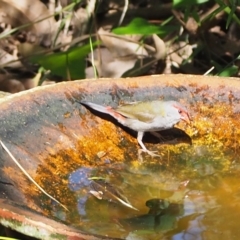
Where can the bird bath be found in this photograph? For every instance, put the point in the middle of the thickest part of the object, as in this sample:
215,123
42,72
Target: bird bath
90,164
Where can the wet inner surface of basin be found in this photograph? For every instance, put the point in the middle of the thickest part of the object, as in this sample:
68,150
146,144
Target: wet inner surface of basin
190,191
91,164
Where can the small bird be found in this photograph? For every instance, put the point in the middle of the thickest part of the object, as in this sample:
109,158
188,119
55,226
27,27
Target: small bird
149,116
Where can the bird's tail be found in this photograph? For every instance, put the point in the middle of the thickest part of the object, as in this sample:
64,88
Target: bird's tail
96,107
108,110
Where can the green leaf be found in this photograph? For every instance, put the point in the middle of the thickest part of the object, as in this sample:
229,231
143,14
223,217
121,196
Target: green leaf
7,238
229,72
185,3
225,71
65,64
143,27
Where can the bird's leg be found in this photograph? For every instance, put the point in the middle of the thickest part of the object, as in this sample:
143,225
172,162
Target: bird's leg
144,149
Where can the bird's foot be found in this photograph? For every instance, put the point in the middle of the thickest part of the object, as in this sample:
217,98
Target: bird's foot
151,153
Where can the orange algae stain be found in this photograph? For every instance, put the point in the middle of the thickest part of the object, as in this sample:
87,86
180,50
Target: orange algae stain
217,129
52,176
102,138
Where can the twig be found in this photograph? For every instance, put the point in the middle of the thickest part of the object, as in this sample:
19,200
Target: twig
126,4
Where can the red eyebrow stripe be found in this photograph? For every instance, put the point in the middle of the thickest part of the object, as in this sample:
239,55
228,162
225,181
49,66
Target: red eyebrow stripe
180,108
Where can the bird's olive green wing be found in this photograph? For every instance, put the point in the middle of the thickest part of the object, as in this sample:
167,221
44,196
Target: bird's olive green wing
143,111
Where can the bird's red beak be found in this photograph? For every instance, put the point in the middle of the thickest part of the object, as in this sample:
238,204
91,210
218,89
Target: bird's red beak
185,117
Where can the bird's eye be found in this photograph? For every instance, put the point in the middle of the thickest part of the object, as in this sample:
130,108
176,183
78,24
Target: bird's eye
180,111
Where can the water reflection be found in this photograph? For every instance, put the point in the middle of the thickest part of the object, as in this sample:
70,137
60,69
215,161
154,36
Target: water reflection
180,202
79,182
